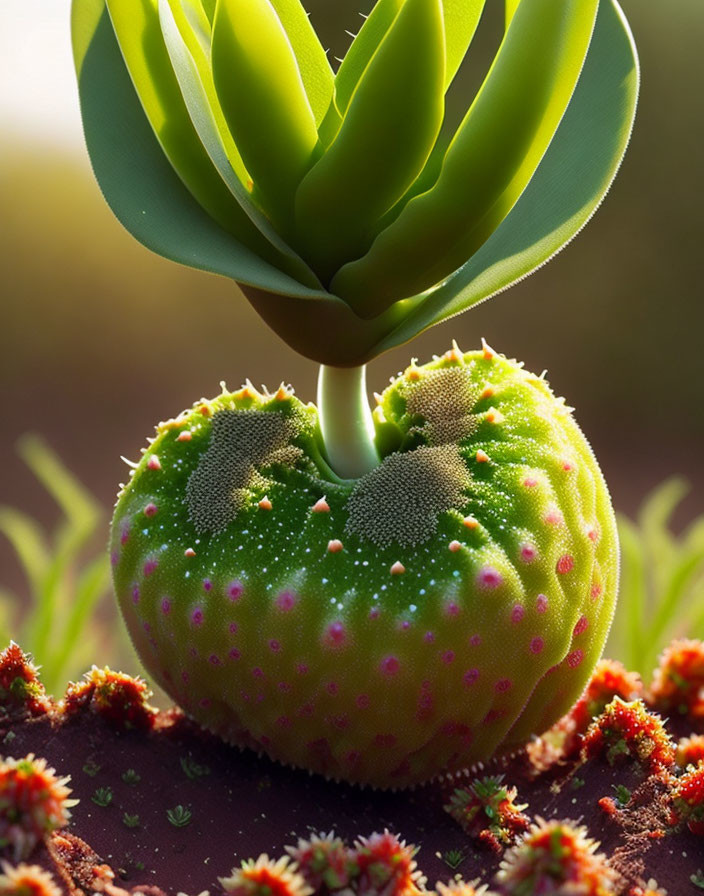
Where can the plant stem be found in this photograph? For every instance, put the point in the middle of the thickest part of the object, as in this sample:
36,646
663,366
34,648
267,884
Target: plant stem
346,420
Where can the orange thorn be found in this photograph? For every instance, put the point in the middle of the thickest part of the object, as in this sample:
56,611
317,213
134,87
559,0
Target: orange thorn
412,373
265,503
189,552
397,569
335,546
487,351
378,397
487,392
154,463
494,416
321,506
184,436
470,522
481,456
455,546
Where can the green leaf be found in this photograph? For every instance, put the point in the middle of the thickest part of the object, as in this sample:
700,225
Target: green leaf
511,7
490,161
313,63
184,44
264,100
137,180
28,542
461,21
567,189
384,140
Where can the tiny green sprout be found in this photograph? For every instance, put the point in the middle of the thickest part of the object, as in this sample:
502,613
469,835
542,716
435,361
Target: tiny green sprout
102,796
130,776
130,821
453,858
192,769
576,783
91,768
623,795
264,783
9,737
179,816
698,879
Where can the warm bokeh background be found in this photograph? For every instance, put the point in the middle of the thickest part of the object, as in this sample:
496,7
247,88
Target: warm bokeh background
99,339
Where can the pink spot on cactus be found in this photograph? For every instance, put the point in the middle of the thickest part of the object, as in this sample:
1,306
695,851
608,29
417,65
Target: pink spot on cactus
234,590
470,677
404,625
452,609
475,640
352,758
385,740
541,603
135,594
207,585
575,658
151,510
554,517
257,672
125,535
335,636
596,591
197,616
154,463
581,626
233,628
165,606
114,558
448,657
425,701
593,534
565,564
537,645
339,722
332,688
185,677
389,666
362,701
503,685
302,669
146,626
234,654
567,466
489,578
286,601
429,637
528,552
274,645
306,710
150,566
517,613
530,482
214,660
205,702
283,722
284,687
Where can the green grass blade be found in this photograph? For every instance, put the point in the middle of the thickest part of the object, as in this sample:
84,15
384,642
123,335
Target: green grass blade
383,143
138,182
568,187
461,22
28,543
628,628
489,163
264,100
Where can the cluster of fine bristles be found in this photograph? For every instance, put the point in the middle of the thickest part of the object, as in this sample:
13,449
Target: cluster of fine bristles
350,626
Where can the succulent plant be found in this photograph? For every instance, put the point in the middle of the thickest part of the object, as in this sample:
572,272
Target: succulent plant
329,585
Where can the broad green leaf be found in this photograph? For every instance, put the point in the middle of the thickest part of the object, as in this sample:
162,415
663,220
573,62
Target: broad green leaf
313,63
565,192
384,140
192,69
137,180
511,7
461,21
264,101
361,50
490,161
136,26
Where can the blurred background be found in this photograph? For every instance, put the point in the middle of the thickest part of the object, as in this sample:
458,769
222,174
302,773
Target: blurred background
100,339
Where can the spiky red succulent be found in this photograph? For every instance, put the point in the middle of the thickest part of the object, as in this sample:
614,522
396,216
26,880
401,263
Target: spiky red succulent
119,698
387,867
325,860
266,877
20,687
688,799
487,810
690,750
678,682
33,802
27,880
555,858
462,888
628,730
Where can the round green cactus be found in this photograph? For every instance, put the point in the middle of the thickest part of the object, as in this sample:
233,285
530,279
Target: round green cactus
377,597
447,604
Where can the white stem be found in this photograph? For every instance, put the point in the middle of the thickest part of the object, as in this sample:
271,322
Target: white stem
346,420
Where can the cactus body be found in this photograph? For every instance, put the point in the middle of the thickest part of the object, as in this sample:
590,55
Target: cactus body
443,607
